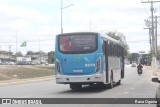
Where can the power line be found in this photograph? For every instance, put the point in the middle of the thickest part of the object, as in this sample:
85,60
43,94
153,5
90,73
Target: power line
145,9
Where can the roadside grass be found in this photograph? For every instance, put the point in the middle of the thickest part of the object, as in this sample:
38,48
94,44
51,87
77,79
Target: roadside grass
8,72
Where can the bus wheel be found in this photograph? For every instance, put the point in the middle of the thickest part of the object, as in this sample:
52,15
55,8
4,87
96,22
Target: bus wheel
75,86
111,80
119,82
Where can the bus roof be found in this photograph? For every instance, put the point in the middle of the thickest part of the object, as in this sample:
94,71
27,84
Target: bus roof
106,37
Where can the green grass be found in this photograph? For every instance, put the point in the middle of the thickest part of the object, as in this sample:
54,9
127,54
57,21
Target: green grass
4,78
24,71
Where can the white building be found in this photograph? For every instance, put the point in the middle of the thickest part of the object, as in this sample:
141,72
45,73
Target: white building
38,58
6,56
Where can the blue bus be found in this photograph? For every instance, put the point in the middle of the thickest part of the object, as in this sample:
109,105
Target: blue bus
87,58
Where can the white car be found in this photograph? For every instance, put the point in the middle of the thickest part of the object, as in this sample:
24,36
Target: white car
133,65
11,63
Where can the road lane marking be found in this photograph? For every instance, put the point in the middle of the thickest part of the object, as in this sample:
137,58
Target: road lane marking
125,93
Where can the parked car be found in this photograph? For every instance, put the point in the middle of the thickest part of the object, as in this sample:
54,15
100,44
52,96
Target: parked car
133,65
11,63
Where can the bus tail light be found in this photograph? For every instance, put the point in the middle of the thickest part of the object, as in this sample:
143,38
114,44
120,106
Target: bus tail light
58,67
98,65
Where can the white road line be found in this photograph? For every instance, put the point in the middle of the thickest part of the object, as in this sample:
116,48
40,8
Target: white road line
125,93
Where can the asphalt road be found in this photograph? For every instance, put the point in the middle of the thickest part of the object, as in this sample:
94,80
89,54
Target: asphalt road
132,86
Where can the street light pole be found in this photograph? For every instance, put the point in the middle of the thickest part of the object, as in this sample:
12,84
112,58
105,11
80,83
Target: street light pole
62,14
16,47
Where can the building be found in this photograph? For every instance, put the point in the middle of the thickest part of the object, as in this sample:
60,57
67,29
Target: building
23,60
6,56
38,58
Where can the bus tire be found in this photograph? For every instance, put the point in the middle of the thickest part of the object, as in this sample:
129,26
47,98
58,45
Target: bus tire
119,82
75,86
110,86
103,86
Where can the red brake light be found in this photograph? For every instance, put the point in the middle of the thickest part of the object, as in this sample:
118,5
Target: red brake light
98,65
58,67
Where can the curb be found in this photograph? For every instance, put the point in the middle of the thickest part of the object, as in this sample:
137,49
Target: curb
24,81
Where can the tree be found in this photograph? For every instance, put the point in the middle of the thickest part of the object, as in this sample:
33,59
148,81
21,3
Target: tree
134,57
19,54
51,56
30,52
120,37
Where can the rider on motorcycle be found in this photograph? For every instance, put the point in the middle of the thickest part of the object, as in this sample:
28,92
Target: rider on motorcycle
139,68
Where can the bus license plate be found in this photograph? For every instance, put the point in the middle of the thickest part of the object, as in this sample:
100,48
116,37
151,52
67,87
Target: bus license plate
77,70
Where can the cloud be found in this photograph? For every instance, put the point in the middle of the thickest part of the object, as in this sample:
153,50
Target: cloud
20,12
125,16
18,17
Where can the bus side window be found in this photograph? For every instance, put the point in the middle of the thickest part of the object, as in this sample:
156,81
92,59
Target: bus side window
121,51
110,50
113,50
103,47
118,50
111,47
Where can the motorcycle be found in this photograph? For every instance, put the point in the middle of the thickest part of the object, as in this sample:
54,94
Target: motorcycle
139,70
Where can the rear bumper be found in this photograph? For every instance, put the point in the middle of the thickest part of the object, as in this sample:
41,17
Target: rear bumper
82,79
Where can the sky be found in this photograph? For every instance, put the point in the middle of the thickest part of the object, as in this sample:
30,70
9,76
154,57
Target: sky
39,21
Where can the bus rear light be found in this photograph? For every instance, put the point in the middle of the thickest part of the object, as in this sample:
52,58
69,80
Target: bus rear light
98,65
58,67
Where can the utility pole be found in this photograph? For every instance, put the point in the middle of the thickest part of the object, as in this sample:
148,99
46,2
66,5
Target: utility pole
9,47
16,47
153,36
39,51
90,25
61,16
150,38
156,34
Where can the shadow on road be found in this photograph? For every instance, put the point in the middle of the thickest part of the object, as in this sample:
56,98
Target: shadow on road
89,89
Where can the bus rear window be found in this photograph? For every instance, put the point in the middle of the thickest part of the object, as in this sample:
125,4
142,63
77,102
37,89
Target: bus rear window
77,43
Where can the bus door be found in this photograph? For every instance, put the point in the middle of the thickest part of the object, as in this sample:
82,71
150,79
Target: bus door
105,53
122,62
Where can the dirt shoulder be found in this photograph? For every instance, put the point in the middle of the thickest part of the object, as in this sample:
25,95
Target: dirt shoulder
25,73
155,73
23,81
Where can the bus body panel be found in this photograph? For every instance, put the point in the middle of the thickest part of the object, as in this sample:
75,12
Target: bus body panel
81,68
114,66
78,64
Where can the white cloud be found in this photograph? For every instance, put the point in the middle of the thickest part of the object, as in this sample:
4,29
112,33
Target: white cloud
20,12
125,16
18,17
